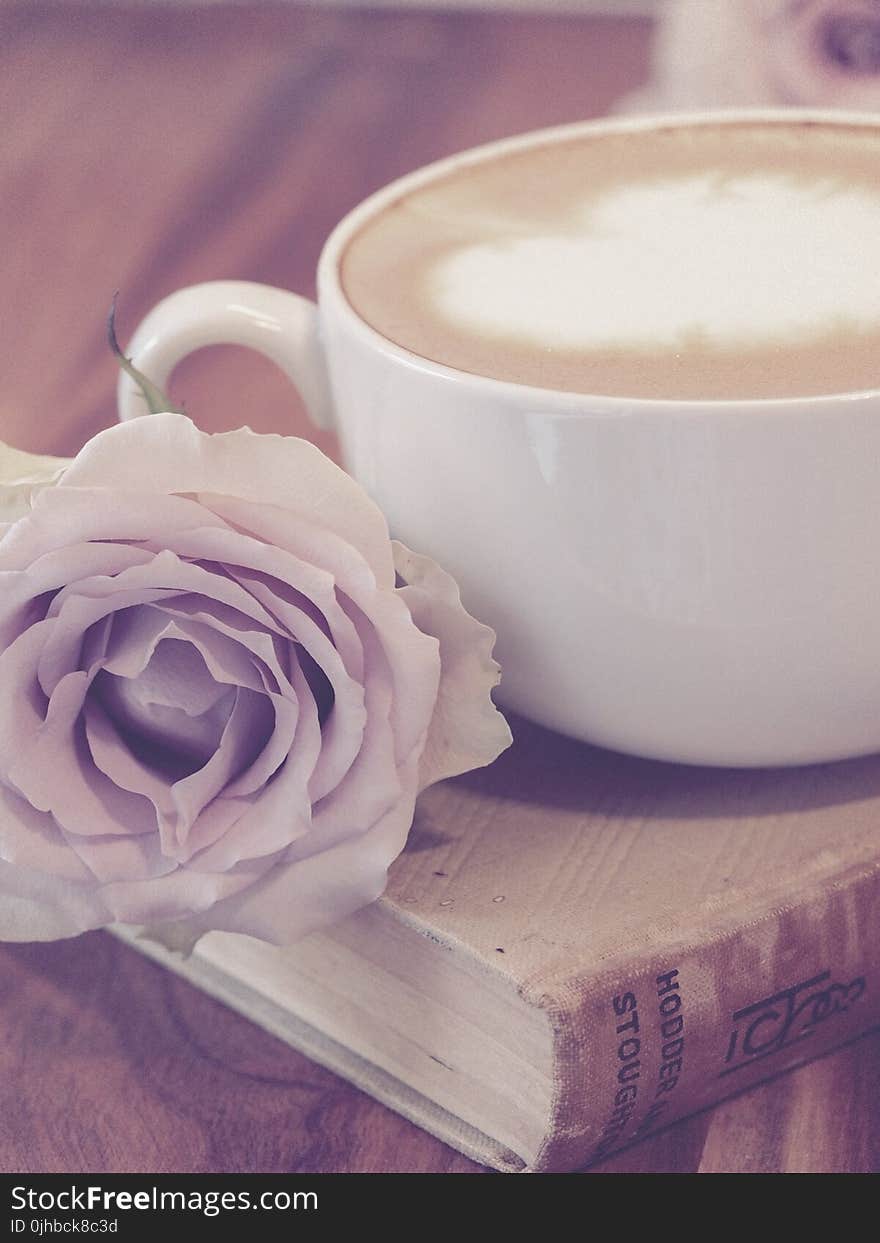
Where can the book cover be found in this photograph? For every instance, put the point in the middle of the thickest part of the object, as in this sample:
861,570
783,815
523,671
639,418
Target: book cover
577,948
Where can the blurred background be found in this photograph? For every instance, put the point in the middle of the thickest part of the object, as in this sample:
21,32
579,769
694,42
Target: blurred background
152,145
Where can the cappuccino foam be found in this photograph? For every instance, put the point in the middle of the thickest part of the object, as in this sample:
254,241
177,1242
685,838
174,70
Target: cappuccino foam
737,260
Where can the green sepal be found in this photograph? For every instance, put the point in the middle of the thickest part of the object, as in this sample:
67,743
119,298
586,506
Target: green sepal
157,402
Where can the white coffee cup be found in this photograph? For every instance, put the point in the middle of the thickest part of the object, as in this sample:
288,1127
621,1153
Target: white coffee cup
688,580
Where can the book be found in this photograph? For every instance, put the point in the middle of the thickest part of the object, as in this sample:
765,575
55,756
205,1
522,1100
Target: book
576,948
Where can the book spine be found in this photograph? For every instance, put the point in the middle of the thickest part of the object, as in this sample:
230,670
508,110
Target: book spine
660,1037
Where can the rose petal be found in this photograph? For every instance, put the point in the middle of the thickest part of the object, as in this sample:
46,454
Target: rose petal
228,660
126,857
35,906
300,597
23,705
373,783
294,899
467,731
414,661
31,839
63,516
81,622
215,822
22,476
280,813
166,453
246,733
229,666
46,757
411,657
260,654
325,551
171,897
20,589
116,761
56,773
273,754
173,704
344,729
301,586
165,574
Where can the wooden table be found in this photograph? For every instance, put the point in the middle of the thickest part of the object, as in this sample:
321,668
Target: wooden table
148,149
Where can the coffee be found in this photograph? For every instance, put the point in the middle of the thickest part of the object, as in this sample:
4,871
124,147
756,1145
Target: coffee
710,261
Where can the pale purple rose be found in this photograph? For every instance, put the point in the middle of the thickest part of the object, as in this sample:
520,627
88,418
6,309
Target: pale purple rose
217,702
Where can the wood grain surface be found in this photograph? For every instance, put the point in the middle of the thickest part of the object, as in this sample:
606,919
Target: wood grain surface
145,149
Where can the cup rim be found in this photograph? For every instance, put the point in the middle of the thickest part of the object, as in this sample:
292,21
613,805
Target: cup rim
332,294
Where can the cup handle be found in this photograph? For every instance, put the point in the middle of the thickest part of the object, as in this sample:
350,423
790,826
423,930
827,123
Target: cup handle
279,324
